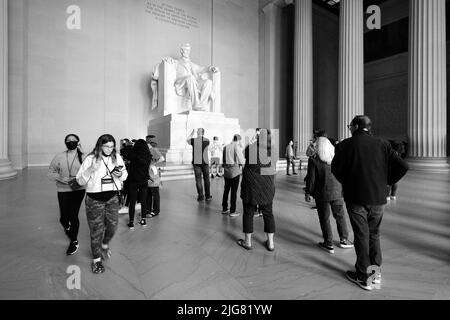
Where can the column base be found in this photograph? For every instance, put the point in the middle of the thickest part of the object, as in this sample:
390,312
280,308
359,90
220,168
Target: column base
6,170
438,165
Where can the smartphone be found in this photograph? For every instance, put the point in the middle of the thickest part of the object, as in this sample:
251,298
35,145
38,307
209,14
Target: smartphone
118,169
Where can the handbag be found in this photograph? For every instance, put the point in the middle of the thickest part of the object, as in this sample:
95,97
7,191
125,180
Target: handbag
74,185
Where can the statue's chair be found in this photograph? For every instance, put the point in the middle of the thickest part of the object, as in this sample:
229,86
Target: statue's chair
167,101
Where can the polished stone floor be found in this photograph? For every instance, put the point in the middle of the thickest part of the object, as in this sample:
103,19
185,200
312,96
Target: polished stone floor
190,251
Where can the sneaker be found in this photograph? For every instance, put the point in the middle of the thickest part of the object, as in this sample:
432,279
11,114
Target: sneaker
73,247
377,279
388,198
149,214
208,199
323,246
225,211
345,244
352,276
143,223
257,214
131,226
393,198
235,214
123,210
97,267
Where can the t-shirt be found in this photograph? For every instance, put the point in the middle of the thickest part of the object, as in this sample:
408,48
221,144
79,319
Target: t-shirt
199,150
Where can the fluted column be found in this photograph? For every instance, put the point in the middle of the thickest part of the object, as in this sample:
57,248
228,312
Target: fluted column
351,64
270,20
303,73
6,170
427,118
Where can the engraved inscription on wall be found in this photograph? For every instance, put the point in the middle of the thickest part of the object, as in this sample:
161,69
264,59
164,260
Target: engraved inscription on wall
168,13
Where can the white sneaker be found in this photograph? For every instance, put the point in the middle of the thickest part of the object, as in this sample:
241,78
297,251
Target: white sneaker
123,210
388,198
393,198
235,214
377,279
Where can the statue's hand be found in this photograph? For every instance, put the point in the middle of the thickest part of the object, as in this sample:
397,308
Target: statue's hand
214,69
169,60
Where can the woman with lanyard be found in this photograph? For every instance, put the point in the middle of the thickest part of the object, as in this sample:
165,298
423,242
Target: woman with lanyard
63,170
103,173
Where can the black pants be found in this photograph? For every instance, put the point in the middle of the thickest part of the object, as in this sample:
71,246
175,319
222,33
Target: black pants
337,209
290,161
69,208
366,221
200,170
392,190
125,192
269,220
153,200
137,191
230,185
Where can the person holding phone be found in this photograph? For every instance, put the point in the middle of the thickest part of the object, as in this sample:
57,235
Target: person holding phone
62,170
102,172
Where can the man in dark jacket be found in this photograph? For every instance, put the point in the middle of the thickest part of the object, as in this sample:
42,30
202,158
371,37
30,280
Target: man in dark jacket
365,165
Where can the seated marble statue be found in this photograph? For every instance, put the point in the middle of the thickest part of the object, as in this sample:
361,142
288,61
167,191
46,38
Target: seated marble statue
192,81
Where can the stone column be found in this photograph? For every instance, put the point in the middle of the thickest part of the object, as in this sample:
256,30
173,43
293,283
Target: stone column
303,75
271,11
351,64
427,117
6,170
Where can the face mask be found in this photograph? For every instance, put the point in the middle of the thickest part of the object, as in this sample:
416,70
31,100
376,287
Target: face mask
72,145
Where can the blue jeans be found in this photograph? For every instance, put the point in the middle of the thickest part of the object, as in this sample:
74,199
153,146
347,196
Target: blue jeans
366,221
200,170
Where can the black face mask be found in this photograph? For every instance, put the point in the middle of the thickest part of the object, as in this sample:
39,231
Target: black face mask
72,145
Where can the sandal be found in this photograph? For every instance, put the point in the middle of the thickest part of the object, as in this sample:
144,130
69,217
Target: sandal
269,248
241,243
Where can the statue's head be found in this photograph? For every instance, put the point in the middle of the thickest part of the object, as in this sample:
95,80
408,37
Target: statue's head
185,50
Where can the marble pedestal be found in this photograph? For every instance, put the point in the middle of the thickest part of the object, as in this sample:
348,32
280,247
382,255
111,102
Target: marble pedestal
173,130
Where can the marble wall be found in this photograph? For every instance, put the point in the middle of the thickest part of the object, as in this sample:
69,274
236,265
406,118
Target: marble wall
95,80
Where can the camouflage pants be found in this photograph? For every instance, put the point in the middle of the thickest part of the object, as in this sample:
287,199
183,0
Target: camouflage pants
103,220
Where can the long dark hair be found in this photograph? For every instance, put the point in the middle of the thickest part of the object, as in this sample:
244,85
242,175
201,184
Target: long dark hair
97,152
79,153
142,151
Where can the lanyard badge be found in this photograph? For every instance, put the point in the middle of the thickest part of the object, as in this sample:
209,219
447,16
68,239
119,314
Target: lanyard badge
107,181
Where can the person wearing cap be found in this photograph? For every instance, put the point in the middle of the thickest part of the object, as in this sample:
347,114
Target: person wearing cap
154,183
364,165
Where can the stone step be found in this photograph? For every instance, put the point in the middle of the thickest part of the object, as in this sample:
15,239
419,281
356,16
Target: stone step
185,172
